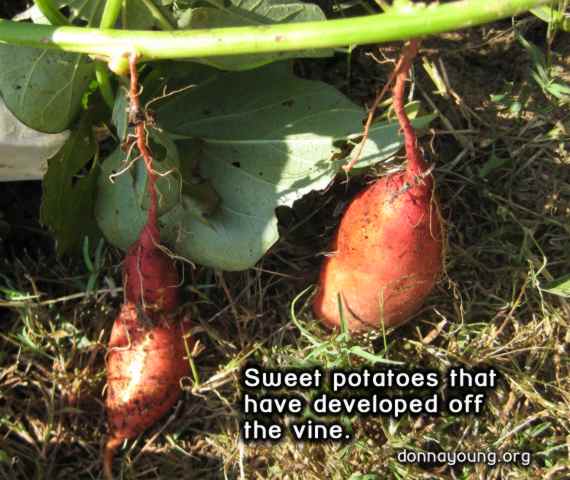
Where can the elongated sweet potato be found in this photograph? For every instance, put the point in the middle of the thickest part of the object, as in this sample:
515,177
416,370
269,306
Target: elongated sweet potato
144,366
387,252
147,353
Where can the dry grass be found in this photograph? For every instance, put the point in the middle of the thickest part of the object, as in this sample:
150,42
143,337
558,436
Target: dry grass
503,172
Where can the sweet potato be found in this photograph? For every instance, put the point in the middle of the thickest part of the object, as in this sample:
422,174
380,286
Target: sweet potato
147,353
387,252
144,366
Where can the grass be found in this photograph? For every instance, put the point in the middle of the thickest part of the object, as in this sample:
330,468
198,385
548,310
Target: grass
503,168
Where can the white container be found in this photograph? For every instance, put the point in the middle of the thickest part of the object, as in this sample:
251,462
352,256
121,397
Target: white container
23,151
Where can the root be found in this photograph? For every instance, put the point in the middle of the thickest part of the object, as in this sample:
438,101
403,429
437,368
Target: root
113,443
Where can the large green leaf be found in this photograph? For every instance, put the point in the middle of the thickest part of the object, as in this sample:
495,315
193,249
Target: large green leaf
43,88
235,13
69,188
261,139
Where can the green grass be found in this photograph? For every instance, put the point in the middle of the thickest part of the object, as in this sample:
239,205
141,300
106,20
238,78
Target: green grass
503,175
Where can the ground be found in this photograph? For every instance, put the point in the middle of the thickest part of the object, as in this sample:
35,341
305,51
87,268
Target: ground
500,149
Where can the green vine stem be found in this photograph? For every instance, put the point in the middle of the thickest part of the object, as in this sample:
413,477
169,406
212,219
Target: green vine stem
418,21
103,77
51,12
109,17
111,13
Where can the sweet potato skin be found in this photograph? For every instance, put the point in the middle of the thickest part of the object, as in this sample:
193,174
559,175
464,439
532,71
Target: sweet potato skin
149,275
386,256
144,366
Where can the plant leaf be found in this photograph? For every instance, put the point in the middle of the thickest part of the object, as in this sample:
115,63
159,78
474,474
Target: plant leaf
384,141
24,151
560,287
135,15
138,16
88,10
372,358
120,114
252,12
69,190
551,14
43,88
267,141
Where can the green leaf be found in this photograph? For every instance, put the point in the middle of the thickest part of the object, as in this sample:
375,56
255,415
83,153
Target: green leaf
120,115
491,165
43,88
256,12
542,75
88,10
267,141
384,141
144,15
199,196
252,12
136,14
560,287
122,196
550,14
371,357
69,190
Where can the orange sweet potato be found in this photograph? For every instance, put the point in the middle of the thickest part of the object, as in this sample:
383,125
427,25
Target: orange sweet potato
144,366
387,252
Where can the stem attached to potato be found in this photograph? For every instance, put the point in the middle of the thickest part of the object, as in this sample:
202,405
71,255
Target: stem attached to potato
415,163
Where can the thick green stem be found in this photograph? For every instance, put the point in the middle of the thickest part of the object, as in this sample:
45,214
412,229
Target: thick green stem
103,77
51,12
111,13
416,22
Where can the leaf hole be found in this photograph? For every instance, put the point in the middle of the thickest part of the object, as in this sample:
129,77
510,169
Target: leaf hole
82,172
